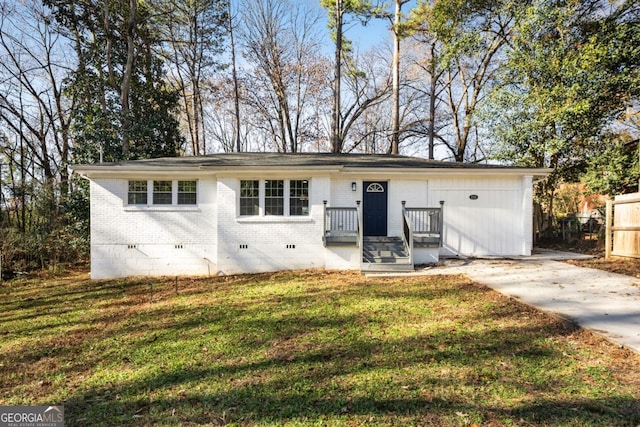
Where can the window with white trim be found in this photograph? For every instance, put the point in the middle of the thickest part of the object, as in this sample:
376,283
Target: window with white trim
162,192
250,197
375,187
274,197
298,197
137,194
187,194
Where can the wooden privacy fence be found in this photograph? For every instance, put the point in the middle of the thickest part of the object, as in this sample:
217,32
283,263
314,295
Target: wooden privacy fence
623,226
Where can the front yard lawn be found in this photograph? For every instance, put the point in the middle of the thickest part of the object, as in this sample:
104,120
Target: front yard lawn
304,348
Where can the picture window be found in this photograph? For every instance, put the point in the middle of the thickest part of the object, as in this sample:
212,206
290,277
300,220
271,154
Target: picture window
299,197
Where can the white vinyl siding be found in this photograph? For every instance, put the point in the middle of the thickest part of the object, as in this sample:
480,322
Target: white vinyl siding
483,216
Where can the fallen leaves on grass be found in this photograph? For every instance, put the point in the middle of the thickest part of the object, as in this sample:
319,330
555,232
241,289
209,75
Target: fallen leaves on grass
304,348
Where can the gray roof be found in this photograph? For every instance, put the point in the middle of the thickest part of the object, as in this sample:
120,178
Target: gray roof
224,160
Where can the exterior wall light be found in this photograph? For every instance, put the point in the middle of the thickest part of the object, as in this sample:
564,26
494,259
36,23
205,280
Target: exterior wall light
354,186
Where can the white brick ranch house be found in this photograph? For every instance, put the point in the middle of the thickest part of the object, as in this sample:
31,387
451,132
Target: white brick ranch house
253,212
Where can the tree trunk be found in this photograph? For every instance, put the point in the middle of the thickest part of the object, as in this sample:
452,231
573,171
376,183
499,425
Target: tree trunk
125,87
336,143
395,115
432,102
236,88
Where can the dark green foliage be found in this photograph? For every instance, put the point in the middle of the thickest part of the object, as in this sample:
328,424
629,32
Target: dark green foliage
572,70
53,236
77,224
154,131
96,129
124,121
615,170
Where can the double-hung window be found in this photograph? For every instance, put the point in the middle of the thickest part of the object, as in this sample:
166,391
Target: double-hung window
187,194
298,197
137,193
162,192
274,197
250,197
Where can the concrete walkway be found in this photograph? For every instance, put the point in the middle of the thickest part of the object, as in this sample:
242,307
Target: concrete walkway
603,302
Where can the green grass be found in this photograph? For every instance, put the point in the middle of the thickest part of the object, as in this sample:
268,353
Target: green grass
304,348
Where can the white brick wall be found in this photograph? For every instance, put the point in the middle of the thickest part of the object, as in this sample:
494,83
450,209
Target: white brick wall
211,238
131,241
272,243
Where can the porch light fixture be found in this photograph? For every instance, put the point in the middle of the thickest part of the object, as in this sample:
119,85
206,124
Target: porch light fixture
353,186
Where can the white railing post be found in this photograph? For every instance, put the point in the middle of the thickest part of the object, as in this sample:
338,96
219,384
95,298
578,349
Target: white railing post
407,231
324,221
441,221
608,230
360,231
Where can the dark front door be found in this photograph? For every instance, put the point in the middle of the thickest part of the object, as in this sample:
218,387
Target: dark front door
374,208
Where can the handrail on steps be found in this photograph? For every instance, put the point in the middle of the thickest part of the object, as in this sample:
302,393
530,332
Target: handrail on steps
407,231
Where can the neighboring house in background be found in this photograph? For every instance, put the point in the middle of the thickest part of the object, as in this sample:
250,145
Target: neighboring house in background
254,212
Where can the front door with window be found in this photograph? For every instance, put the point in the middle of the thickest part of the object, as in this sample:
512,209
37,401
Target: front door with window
374,208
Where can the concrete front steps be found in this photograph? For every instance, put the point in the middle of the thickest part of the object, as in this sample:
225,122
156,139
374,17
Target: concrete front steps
385,254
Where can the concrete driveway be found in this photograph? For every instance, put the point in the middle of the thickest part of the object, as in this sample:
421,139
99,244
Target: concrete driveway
603,302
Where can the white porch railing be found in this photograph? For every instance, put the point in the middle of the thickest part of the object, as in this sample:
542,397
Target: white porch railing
421,227
407,231
341,226
426,224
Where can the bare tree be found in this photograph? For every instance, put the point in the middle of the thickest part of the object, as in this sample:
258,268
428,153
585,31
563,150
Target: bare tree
367,86
426,89
234,77
35,59
280,45
398,31
461,49
194,31
468,82
338,11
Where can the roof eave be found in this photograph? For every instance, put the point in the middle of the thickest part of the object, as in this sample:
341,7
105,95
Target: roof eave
98,171
101,171
535,172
